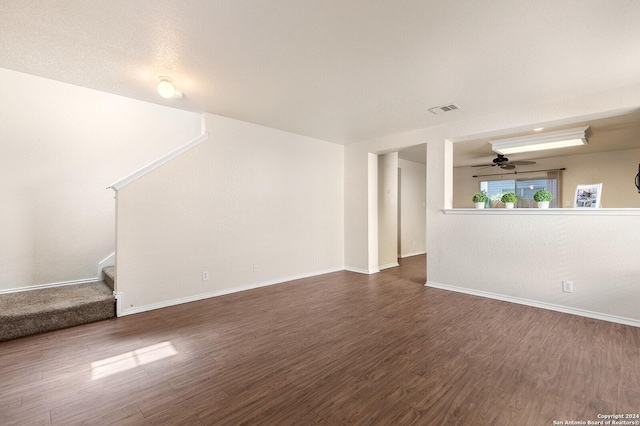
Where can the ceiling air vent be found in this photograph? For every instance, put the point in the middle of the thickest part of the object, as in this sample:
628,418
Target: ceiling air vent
444,108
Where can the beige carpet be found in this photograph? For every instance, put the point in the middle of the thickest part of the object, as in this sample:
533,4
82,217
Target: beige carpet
36,311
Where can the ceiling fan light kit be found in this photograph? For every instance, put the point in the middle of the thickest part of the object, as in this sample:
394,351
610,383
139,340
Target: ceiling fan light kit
542,141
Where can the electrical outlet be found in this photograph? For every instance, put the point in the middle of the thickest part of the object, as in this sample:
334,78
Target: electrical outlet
315,259
255,267
205,275
567,286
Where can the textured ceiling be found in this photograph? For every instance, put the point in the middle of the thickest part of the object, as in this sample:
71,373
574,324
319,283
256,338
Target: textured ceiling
338,70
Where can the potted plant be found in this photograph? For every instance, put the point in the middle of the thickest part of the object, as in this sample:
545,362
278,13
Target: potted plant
480,199
509,199
543,197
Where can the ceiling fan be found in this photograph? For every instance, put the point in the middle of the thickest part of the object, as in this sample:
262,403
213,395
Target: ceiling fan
504,163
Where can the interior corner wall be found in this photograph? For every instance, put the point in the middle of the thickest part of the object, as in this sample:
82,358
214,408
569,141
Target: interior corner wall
387,210
62,145
413,190
248,196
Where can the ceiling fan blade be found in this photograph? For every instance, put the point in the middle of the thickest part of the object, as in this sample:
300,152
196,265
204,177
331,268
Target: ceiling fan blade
484,165
522,163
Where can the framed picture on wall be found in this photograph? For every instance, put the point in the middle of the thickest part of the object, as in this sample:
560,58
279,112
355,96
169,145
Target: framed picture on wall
588,196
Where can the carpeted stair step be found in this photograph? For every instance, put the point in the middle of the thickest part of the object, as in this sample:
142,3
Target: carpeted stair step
110,276
35,311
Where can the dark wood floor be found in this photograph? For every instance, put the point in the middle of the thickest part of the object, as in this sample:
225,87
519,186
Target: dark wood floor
342,348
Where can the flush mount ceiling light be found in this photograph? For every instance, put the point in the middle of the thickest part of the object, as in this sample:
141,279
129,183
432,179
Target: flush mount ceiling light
166,89
542,141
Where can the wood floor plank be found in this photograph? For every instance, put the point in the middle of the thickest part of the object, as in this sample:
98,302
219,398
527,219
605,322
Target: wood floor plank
22,417
524,405
248,404
629,401
444,393
336,349
393,414
555,408
479,408
19,376
326,392
95,413
173,417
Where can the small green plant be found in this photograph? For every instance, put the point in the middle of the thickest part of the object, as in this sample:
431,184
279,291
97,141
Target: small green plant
543,195
480,197
509,197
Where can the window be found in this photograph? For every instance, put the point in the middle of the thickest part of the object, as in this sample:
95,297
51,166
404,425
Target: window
523,188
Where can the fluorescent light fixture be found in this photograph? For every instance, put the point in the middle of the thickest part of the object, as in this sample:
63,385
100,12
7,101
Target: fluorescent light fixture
542,141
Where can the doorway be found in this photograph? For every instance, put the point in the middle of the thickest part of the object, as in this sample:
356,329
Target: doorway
401,205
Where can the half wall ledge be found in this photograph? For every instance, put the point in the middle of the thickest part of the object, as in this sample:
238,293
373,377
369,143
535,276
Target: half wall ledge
547,212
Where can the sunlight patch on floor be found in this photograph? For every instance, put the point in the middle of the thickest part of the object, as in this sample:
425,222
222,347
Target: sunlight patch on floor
129,360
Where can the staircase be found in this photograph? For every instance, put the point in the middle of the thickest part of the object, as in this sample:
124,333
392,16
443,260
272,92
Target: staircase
110,276
36,311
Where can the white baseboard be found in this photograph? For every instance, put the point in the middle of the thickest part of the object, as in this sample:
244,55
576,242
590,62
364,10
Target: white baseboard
418,253
50,285
362,271
388,265
118,297
138,309
536,304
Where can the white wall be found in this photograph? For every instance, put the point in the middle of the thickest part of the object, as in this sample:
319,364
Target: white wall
528,257
599,253
360,209
248,195
61,146
388,210
616,170
413,191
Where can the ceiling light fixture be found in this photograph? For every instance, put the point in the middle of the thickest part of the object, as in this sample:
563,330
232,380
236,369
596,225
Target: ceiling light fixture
165,88
542,141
